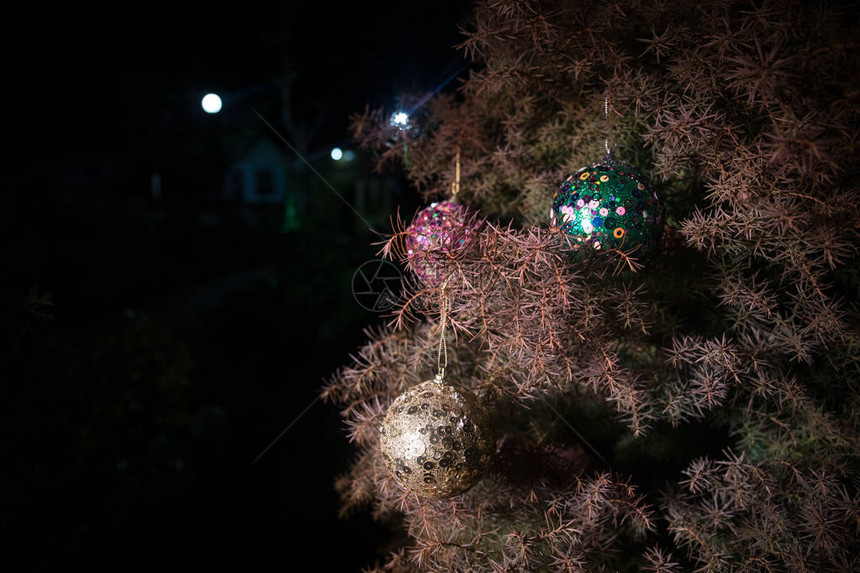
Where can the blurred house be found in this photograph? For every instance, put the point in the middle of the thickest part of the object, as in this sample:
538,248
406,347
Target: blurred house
258,180
258,175
265,177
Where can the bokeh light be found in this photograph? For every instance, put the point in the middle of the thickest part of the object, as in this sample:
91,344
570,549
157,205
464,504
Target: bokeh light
211,103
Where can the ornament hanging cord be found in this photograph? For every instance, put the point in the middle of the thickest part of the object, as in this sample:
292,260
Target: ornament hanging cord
606,142
442,356
455,185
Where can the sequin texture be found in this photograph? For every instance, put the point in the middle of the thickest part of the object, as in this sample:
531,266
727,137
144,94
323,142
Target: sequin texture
609,205
437,439
437,230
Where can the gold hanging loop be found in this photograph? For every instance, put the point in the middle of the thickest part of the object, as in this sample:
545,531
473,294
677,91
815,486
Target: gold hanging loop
455,185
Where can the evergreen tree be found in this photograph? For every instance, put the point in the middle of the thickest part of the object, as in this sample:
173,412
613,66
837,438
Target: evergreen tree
695,408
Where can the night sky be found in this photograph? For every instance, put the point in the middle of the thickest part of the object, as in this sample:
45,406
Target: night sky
80,80
95,101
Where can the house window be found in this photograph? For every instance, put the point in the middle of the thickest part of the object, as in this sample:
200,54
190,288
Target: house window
265,181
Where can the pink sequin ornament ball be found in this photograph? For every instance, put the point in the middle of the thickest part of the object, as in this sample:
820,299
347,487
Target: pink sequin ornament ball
438,230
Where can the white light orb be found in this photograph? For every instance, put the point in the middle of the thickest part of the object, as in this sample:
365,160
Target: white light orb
337,153
211,103
400,119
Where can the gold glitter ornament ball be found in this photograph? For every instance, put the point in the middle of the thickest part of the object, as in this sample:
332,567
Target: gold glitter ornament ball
437,439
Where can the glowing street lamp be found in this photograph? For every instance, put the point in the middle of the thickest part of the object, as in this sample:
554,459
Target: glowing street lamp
211,103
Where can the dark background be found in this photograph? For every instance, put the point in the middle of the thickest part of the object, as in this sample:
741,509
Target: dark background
151,352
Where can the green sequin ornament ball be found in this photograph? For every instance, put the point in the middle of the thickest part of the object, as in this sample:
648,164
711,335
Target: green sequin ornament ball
608,205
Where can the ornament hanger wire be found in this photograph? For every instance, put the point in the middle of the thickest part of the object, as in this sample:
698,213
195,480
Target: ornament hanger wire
442,356
607,143
455,185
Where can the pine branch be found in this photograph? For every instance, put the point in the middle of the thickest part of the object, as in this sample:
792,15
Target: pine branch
744,114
